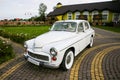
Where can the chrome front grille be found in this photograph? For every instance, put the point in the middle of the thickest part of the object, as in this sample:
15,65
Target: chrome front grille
41,57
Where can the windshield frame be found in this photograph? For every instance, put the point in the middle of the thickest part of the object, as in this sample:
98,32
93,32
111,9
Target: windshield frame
69,22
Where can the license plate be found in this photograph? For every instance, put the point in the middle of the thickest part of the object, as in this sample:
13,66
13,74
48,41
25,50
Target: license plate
33,61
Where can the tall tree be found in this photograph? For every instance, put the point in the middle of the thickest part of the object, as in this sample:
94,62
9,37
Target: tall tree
42,9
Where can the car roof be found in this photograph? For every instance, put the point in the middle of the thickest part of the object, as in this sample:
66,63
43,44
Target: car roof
71,21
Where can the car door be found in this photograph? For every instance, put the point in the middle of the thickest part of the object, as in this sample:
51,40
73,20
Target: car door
87,32
81,37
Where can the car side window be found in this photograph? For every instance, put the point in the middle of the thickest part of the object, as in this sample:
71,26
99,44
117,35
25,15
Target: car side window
86,26
80,27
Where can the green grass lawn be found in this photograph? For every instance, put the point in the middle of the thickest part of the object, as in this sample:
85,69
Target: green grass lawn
109,28
31,31
21,34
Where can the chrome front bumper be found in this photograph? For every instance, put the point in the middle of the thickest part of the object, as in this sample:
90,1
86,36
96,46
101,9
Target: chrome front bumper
40,62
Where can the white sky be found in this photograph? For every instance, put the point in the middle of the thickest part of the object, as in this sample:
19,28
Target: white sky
10,9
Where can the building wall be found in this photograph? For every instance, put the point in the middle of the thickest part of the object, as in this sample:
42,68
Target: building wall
59,17
110,17
65,16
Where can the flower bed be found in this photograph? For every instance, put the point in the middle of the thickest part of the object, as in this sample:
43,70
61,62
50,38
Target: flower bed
6,51
19,38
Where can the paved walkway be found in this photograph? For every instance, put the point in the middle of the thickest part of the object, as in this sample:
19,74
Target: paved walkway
101,62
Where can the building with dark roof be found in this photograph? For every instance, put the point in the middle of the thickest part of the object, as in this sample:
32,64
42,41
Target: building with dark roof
102,12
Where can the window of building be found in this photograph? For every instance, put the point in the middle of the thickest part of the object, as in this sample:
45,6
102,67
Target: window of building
86,13
94,13
105,15
116,17
77,15
69,16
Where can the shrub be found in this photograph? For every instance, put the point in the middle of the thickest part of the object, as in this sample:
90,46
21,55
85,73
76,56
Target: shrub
6,51
4,34
19,38
109,24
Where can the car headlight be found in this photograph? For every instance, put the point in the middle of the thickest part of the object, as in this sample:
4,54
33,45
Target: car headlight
25,45
53,52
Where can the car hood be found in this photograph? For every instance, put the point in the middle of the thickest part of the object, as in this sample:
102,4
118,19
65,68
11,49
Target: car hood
52,36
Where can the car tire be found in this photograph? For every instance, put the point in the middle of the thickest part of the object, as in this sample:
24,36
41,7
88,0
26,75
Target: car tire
68,60
91,42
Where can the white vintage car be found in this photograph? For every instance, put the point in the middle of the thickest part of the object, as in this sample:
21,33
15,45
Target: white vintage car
58,47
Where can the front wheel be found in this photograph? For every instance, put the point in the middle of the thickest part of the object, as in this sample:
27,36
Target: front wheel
67,60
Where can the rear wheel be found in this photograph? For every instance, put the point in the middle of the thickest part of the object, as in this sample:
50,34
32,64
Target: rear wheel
91,42
67,60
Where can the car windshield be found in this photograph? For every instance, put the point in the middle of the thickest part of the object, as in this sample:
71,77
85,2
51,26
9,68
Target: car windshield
65,26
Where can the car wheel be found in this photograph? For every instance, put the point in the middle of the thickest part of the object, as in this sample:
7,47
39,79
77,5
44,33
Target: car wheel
91,42
67,60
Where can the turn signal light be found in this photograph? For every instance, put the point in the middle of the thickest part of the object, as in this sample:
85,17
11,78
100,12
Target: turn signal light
54,58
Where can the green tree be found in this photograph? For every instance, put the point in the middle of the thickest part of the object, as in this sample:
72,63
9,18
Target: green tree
42,9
